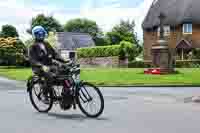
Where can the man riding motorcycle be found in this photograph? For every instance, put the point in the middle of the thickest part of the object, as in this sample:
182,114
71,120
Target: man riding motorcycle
41,56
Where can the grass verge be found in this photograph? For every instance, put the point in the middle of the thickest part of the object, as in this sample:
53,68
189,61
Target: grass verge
119,77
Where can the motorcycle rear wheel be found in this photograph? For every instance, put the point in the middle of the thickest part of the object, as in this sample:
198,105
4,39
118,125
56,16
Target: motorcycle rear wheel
39,96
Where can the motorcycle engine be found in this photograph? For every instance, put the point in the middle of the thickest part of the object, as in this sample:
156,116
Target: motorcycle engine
67,97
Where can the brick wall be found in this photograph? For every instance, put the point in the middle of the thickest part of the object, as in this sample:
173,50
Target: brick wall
150,39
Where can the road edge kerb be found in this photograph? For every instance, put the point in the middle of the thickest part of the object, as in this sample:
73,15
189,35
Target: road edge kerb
24,81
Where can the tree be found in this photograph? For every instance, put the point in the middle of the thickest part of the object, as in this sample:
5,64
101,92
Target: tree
123,32
9,31
85,26
48,22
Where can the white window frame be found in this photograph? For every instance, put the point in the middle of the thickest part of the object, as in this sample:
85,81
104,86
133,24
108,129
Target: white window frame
186,28
167,30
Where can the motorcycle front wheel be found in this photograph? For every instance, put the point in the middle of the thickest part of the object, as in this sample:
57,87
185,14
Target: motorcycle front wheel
90,100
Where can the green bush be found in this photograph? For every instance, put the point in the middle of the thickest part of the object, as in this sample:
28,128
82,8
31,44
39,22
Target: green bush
196,53
11,51
138,64
127,49
187,64
99,51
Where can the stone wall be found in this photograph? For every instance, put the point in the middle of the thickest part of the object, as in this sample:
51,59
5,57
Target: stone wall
102,62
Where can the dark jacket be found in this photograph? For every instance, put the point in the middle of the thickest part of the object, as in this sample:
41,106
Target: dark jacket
38,57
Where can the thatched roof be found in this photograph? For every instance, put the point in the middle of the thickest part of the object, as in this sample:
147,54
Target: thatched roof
176,12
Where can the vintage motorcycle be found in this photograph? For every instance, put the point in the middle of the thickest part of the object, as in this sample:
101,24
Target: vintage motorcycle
87,96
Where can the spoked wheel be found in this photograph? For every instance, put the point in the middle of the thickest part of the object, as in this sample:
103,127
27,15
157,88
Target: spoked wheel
41,101
90,100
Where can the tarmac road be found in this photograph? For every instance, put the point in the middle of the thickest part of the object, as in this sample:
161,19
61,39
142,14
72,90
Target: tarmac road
127,110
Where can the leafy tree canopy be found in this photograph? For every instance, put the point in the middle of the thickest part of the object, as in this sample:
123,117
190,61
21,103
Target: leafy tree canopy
48,22
9,31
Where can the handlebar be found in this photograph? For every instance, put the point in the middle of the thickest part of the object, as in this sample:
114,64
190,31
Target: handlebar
70,65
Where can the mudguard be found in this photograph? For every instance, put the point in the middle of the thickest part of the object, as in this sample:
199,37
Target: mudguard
31,80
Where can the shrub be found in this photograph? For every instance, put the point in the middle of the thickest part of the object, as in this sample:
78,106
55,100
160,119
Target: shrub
127,49
11,51
188,64
99,51
196,53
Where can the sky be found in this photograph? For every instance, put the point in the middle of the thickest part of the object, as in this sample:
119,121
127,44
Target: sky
106,13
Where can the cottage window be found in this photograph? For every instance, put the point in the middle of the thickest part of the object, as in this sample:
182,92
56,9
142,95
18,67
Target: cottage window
166,31
187,28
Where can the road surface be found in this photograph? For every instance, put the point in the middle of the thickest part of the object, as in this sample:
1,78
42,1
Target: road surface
127,110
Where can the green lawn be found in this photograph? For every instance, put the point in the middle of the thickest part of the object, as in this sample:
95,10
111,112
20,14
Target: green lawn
15,73
136,77
119,76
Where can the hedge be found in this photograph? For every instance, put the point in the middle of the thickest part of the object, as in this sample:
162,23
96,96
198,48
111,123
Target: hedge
123,50
99,51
